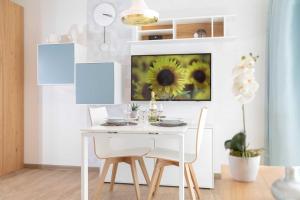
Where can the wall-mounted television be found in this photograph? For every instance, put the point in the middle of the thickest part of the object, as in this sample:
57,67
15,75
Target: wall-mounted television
176,77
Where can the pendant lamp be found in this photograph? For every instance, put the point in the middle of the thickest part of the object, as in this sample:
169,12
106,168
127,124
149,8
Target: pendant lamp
139,14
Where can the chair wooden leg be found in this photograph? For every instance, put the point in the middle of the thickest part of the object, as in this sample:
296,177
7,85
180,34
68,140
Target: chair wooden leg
101,179
158,180
153,180
113,176
135,178
144,170
194,178
189,181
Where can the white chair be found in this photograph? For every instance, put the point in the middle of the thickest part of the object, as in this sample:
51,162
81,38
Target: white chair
114,157
166,157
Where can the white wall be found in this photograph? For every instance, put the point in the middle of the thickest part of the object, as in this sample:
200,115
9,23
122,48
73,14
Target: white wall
51,116
52,120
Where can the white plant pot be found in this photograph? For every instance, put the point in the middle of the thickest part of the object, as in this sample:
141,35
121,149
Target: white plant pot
244,169
133,114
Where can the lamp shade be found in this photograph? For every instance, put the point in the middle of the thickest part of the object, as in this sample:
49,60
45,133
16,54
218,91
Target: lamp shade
139,14
284,84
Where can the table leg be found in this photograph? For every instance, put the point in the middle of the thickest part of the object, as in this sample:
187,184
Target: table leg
181,167
84,168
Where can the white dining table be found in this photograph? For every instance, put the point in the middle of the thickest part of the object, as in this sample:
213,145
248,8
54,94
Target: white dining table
142,130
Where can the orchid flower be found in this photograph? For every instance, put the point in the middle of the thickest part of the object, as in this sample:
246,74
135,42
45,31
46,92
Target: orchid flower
244,83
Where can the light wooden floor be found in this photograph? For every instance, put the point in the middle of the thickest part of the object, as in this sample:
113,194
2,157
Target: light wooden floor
64,184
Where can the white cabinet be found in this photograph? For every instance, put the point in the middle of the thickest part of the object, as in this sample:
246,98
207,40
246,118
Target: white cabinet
203,166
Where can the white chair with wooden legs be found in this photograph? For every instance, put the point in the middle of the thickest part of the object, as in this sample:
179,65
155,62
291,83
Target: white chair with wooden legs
114,157
166,157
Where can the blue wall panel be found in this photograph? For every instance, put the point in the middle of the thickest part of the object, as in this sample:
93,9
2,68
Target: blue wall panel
56,64
95,83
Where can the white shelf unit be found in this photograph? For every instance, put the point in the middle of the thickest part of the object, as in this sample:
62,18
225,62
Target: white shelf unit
217,27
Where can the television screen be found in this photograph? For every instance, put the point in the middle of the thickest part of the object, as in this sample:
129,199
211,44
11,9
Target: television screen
180,77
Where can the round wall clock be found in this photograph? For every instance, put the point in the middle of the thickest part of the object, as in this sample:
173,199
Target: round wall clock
104,14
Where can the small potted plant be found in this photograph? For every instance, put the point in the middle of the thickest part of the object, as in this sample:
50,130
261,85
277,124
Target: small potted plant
243,162
134,109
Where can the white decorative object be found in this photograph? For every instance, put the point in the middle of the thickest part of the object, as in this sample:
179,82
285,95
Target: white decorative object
82,35
244,169
53,38
289,186
74,32
104,14
139,14
77,34
66,38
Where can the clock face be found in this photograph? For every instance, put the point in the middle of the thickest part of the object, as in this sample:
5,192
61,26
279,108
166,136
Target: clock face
104,14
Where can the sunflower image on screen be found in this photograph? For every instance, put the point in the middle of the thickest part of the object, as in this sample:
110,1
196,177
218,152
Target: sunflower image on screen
172,77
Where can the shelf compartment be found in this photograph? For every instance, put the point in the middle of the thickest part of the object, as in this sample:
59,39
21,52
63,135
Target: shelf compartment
187,30
168,24
218,27
156,32
164,37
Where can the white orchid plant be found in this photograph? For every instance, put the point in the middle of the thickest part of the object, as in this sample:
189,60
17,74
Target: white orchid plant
244,89
244,83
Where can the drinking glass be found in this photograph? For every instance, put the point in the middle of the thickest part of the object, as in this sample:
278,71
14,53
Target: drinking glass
160,110
126,112
143,114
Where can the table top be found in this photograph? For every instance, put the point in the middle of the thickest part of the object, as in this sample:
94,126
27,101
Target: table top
258,190
139,128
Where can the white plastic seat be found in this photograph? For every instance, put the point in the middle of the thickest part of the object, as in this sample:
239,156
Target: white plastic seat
102,145
113,157
171,155
134,152
166,157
